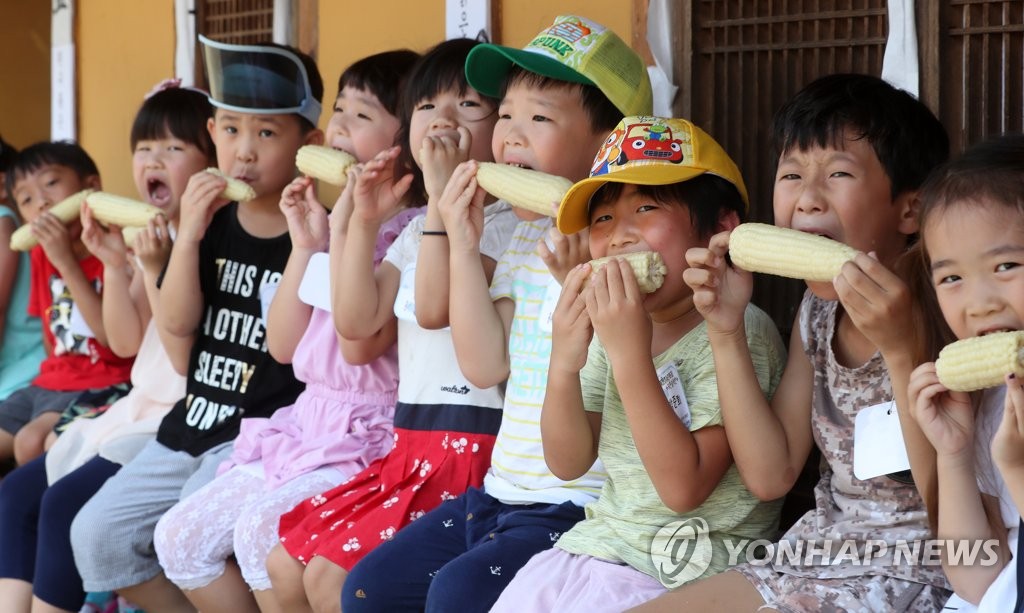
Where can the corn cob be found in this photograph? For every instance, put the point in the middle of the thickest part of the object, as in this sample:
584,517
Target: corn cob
130,232
120,211
980,362
236,190
324,163
66,211
759,247
527,189
648,268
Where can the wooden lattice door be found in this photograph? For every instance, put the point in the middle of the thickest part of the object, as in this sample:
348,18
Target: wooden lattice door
750,56
975,76
232,21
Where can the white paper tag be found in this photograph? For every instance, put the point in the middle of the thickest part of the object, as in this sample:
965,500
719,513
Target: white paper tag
668,376
405,300
547,308
77,324
315,288
878,447
267,293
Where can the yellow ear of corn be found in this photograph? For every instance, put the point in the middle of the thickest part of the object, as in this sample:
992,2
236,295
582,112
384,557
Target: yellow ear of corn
980,362
527,189
759,247
236,190
130,232
324,163
120,211
648,268
66,210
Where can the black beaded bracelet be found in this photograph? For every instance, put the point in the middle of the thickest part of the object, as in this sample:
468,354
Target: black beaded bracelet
433,233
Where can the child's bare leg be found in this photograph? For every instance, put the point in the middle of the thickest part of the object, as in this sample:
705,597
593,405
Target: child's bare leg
227,593
158,594
323,580
286,577
38,606
51,438
267,601
16,595
729,591
28,442
6,445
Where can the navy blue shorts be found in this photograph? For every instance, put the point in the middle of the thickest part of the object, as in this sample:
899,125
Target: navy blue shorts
35,527
459,557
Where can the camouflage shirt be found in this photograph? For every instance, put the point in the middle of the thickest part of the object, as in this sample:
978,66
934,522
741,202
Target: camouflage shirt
880,510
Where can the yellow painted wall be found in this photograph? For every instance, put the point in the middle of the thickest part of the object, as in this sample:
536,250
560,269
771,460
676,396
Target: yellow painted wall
124,48
522,19
24,71
390,24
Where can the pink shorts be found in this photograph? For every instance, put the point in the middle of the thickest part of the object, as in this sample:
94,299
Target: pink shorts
555,580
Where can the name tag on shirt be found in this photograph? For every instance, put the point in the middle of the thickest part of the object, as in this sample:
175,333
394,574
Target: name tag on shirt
77,324
315,288
267,293
668,376
547,308
405,300
878,447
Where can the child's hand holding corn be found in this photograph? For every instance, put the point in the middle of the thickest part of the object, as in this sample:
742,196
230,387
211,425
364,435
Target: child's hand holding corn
878,303
107,244
720,292
341,212
571,329
438,156
565,252
379,191
615,304
55,238
153,246
306,217
201,199
462,209
946,417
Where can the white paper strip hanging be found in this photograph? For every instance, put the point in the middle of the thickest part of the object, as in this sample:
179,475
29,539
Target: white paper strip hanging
900,63
63,124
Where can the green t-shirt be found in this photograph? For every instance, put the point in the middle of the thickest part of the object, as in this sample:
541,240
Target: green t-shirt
621,525
22,349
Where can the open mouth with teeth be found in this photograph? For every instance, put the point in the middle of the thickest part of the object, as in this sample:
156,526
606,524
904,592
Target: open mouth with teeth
158,192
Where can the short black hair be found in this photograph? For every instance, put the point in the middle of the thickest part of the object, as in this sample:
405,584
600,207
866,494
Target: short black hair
58,153
706,196
991,171
179,112
442,68
7,155
381,74
604,115
905,135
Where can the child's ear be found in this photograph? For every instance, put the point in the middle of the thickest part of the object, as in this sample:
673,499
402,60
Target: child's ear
727,221
92,182
314,137
210,125
908,205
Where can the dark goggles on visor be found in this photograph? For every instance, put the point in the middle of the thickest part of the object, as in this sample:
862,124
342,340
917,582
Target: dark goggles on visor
258,79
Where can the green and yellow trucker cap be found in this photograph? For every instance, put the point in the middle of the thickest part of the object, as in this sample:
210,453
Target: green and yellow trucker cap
573,49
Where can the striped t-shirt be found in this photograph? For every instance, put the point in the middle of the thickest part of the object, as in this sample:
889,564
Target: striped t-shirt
518,472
